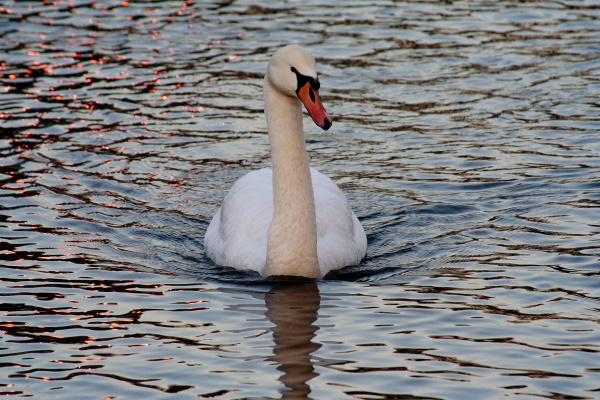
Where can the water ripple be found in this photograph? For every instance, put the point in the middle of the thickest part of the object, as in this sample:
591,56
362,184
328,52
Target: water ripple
465,137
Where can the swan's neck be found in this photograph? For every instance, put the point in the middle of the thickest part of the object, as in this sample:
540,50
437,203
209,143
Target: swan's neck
292,241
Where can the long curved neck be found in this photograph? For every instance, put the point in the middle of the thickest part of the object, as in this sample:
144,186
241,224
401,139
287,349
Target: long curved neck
292,241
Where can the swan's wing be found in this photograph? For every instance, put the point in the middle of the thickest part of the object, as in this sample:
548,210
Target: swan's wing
341,237
237,235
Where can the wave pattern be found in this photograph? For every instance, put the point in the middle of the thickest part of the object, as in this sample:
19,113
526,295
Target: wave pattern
465,135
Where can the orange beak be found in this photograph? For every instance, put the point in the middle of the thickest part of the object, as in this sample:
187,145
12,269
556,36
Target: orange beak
312,102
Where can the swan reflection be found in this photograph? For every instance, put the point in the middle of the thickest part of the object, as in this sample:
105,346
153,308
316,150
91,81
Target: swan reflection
293,307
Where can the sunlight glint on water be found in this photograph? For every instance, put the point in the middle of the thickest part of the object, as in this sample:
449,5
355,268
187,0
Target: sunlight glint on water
466,139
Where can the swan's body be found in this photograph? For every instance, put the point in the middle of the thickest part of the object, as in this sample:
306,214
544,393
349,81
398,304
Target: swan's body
291,219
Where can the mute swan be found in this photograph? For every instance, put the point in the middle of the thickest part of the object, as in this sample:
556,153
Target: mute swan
291,219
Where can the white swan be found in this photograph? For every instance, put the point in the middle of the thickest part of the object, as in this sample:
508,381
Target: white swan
291,219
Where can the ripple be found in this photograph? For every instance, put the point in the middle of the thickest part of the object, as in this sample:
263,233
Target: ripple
465,139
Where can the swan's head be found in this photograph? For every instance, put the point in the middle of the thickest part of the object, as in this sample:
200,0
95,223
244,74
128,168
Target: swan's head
292,71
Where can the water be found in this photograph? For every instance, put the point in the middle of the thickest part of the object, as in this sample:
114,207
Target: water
466,136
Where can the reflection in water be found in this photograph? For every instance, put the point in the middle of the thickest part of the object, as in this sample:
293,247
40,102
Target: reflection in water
293,307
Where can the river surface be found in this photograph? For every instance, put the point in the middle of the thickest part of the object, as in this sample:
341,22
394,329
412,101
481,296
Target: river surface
466,136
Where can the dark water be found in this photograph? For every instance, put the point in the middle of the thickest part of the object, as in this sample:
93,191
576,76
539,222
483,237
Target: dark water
466,135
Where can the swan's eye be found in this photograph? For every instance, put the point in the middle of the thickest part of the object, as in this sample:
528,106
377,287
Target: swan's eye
303,80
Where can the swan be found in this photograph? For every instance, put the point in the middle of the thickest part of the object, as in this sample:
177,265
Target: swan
289,219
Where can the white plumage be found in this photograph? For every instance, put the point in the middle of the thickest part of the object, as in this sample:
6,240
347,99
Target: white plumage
289,220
